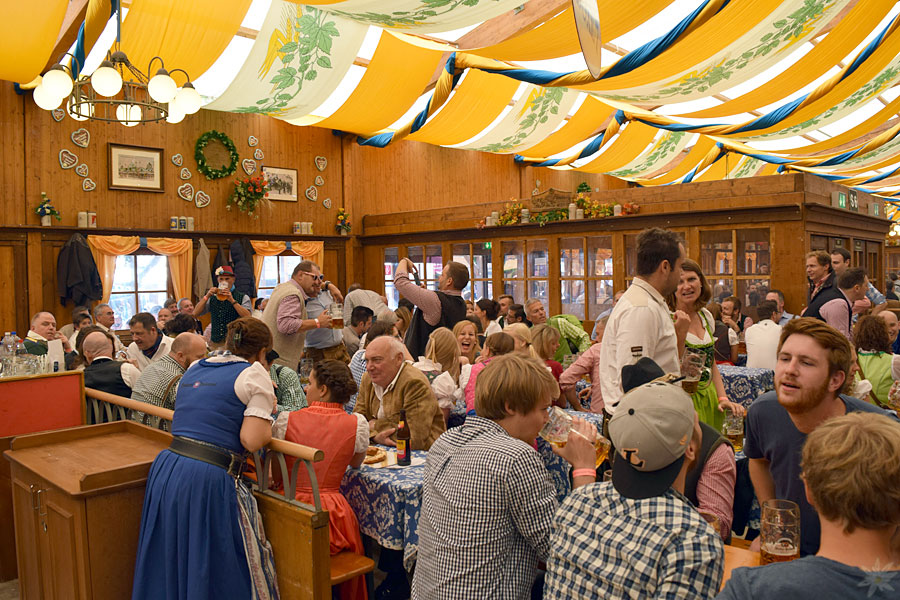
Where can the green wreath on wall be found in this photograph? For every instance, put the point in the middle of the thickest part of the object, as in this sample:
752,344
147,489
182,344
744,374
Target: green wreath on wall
199,155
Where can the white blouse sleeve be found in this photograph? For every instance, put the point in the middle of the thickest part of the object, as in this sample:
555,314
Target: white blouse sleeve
733,339
362,434
279,427
895,367
465,371
254,388
444,388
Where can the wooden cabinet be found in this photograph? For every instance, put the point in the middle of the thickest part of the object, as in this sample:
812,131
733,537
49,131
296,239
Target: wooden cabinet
77,500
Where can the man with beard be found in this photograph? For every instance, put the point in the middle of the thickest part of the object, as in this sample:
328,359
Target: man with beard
641,324
812,367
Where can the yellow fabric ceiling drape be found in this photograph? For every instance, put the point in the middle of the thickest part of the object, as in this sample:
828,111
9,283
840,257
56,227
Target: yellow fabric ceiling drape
589,117
697,152
105,249
630,143
27,37
313,251
186,35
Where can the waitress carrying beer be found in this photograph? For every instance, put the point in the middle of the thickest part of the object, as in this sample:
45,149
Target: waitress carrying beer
224,304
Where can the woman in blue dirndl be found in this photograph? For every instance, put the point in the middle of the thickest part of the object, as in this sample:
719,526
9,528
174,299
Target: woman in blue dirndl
201,534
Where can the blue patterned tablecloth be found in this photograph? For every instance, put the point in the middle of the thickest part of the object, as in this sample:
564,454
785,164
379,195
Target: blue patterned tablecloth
744,384
388,501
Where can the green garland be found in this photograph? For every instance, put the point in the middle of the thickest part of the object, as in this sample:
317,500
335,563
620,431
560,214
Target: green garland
203,167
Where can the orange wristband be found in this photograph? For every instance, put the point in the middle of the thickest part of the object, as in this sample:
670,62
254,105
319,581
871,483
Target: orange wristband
584,473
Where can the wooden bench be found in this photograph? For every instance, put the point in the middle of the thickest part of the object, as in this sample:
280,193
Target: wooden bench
347,565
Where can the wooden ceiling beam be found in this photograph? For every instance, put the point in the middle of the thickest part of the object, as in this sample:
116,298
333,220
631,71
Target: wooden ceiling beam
68,33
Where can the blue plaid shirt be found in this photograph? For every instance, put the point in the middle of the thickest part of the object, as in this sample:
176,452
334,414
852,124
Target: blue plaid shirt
604,545
357,369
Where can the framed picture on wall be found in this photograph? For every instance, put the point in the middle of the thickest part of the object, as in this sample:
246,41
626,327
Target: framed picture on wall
282,183
136,168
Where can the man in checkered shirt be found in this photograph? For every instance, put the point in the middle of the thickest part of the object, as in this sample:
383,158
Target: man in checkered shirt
639,536
487,500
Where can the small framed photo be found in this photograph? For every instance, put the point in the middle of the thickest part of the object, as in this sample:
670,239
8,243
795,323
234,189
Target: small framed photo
282,183
136,168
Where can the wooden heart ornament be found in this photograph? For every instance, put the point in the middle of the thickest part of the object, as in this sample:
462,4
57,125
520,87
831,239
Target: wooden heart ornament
81,137
67,159
321,163
312,193
82,170
249,166
186,192
88,185
58,114
258,154
177,160
326,202
320,181
252,141
201,199
185,173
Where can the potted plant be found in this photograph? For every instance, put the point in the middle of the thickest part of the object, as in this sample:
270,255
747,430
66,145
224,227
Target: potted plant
46,211
343,222
249,193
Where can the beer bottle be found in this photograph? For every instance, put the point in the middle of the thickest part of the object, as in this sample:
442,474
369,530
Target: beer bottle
404,454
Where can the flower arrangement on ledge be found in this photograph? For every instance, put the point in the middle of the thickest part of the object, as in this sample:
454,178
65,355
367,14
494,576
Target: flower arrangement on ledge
248,194
511,214
46,208
343,222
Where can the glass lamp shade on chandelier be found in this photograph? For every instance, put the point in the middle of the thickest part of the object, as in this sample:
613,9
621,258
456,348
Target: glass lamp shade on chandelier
118,92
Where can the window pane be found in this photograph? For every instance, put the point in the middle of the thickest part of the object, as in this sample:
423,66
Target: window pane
461,255
152,272
538,258
123,305
264,292
151,302
482,290
393,296
539,289
481,261
123,277
573,297
716,256
516,289
600,261
721,289
434,262
286,266
600,297
467,291
752,291
416,254
391,258
513,260
269,277
571,257
753,248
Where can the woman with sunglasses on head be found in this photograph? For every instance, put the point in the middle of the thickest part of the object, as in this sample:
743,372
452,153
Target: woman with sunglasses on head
200,532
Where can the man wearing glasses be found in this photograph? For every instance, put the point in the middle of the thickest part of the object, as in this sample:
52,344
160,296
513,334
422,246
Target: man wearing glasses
286,315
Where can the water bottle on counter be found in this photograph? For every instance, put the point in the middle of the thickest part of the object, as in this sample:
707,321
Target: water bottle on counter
21,359
6,355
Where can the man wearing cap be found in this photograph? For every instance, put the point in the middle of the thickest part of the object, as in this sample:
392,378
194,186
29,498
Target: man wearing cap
638,536
234,305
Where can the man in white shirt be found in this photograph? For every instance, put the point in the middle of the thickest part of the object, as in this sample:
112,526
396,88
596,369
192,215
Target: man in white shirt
357,296
149,343
762,338
641,324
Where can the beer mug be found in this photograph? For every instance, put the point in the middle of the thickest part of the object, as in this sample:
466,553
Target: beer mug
691,368
222,291
305,370
336,310
733,429
779,531
556,432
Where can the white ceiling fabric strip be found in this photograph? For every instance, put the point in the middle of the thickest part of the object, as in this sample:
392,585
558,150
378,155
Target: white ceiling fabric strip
422,16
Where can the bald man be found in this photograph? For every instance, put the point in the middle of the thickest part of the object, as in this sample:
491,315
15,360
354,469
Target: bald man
893,325
158,382
102,372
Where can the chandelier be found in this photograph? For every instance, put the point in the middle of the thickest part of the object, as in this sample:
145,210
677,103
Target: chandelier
117,91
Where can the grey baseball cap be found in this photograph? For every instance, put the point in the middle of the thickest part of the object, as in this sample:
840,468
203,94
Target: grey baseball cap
651,430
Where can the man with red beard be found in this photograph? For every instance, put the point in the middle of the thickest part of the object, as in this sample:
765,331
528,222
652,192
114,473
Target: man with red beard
811,369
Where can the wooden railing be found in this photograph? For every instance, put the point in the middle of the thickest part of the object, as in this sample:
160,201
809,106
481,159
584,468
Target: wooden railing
297,531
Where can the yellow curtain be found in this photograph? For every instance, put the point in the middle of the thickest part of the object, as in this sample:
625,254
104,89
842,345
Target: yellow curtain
27,37
313,251
105,249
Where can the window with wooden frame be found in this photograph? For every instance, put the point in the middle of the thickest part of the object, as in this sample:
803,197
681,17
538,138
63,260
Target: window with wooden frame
631,255
428,260
141,283
586,276
276,270
477,258
736,262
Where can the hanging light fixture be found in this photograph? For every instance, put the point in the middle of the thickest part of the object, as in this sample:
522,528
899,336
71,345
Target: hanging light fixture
118,92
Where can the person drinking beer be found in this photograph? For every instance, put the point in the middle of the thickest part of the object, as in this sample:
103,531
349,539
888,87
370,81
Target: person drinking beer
328,341
224,304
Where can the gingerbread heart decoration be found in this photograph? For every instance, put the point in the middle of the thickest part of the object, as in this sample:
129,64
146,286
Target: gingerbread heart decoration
58,114
312,193
177,160
201,199
186,192
88,185
81,137
321,163
252,141
82,170
258,154
320,180
67,159
185,173
326,202
249,166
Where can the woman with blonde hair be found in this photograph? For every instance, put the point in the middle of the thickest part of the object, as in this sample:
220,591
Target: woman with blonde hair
521,334
496,344
404,318
442,366
545,344
466,334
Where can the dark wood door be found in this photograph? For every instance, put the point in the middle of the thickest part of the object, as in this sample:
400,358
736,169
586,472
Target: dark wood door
24,489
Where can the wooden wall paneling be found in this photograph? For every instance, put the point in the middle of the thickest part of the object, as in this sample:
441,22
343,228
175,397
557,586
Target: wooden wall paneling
568,181
34,268
14,286
554,284
12,155
49,298
788,244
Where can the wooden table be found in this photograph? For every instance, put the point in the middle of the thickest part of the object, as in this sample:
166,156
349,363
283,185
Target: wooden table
738,557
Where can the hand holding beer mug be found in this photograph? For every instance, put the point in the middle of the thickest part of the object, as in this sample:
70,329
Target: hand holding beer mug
779,531
337,315
691,368
561,424
733,428
222,292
